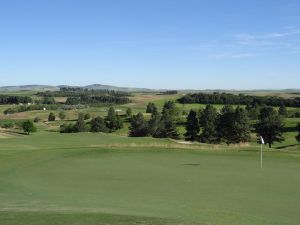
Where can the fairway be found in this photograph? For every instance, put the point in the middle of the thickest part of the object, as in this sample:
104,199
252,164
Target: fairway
82,179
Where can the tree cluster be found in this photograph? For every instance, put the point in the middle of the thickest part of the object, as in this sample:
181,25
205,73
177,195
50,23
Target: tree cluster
111,123
7,100
161,125
231,125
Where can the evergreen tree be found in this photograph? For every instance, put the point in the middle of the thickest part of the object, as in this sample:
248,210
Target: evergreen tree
62,115
208,123
298,136
226,125
154,123
114,121
241,126
98,125
270,126
138,126
51,117
129,112
167,125
192,126
28,127
87,116
80,125
151,108
282,111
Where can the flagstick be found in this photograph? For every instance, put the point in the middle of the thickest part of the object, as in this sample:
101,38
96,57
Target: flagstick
261,156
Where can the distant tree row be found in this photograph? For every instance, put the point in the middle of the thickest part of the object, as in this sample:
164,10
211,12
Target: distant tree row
25,108
77,92
241,99
7,100
97,100
171,92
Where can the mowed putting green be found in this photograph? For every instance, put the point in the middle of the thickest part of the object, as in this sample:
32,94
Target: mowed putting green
86,179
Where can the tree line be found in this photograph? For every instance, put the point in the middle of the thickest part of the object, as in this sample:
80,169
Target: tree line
7,100
241,99
84,100
230,125
77,92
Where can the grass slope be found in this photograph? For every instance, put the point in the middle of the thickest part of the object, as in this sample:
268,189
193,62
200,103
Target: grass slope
50,178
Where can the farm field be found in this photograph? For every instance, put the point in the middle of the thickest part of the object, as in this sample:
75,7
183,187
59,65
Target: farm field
50,178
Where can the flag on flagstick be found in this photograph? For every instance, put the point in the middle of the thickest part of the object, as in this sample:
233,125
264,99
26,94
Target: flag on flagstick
262,141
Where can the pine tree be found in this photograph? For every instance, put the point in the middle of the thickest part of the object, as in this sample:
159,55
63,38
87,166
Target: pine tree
28,127
208,123
98,125
167,125
62,115
154,124
138,126
298,136
226,122
270,126
282,111
241,126
151,108
114,121
80,125
129,112
51,117
192,126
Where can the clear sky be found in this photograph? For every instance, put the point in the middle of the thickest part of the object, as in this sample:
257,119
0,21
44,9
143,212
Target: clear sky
174,44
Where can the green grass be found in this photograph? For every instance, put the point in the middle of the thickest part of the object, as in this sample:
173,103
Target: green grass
55,179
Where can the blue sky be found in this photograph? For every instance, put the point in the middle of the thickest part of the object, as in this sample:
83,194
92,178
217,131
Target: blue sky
175,44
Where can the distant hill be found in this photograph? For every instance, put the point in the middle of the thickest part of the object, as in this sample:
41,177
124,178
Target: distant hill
55,88
133,89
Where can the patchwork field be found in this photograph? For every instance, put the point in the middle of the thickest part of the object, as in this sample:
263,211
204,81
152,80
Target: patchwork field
50,178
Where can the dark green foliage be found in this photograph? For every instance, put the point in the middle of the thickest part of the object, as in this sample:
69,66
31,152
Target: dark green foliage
282,110
80,125
270,126
7,100
298,136
241,99
233,125
208,123
226,122
67,128
87,116
28,127
98,125
7,125
104,99
48,101
151,108
62,115
167,125
51,117
253,111
114,121
154,123
37,119
129,112
192,126
138,126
